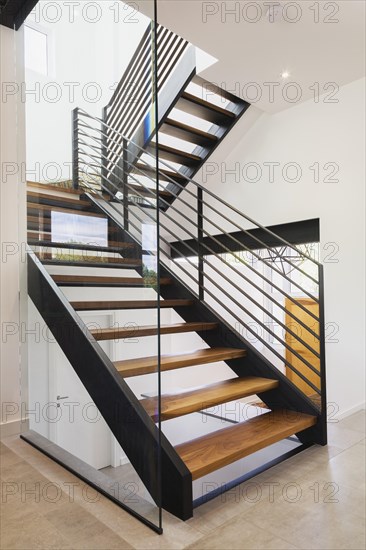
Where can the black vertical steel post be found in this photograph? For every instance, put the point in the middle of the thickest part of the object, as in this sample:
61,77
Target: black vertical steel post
322,355
125,184
75,149
201,292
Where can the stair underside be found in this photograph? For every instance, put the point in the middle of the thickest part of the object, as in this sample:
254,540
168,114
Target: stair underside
148,365
196,399
215,450
152,330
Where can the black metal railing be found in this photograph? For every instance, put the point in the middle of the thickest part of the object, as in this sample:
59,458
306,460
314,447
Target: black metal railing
131,109
252,293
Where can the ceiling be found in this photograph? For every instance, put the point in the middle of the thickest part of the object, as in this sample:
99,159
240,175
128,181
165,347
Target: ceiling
254,48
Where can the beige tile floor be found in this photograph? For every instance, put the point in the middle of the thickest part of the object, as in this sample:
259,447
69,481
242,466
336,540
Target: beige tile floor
315,500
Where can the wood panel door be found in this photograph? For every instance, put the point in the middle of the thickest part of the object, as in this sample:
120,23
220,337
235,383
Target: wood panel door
297,346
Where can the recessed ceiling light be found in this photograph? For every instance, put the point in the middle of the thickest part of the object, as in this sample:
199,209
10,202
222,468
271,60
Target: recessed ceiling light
285,74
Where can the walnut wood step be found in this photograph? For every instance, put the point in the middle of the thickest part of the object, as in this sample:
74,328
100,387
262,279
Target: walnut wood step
59,189
152,330
33,197
172,154
104,260
90,261
200,108
164,175
147,365
81,246
94,280
129,304
197,399
188,133
215,450
142,191
32,206
56,188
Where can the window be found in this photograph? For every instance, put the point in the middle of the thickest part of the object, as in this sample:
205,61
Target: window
37,49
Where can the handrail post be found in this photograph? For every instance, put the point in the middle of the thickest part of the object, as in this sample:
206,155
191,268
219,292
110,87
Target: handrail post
201,292
125,184
75,148
323,382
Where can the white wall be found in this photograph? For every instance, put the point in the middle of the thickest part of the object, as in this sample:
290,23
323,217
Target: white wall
12,229
306,134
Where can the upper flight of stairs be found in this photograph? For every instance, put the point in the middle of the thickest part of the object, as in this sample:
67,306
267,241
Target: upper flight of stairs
195,124
214,450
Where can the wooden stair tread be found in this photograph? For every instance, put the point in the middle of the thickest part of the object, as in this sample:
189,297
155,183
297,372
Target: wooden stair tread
175,155
150,330
177,129
33,235
215,450
207,104
142,191
75,201
50,187
200,108
147,365
47,208
129,304
103,260
59,189
196,399
164,175
95,279
80,246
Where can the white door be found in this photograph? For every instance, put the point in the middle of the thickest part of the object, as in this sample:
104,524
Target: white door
79,427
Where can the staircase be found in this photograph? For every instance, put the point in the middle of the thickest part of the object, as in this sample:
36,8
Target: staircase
194,116
213,291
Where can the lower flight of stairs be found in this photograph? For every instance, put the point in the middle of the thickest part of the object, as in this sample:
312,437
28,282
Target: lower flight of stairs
206,453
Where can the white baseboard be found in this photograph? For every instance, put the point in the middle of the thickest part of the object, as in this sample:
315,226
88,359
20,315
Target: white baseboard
13,427
350,411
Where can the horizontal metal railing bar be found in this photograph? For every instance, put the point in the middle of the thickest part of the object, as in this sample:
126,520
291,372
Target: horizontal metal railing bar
122,111
264,278
252,269
273,334
283,342
139,48
240,274
124,101
151,191
240,244
246,232
175,54
300,252
271,349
